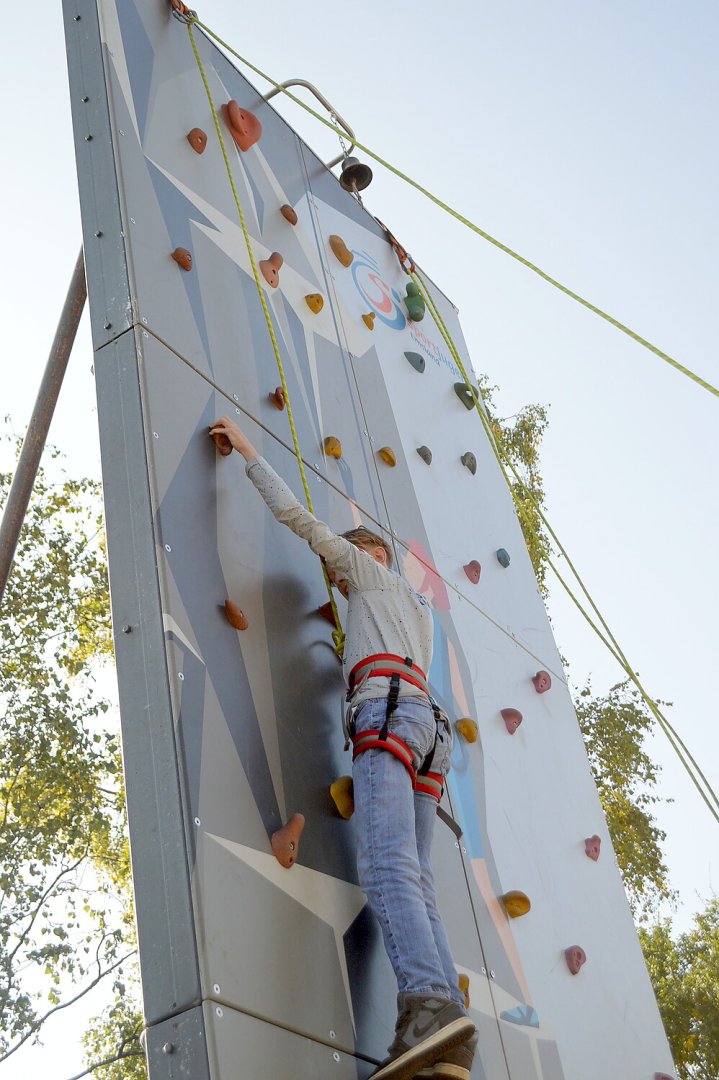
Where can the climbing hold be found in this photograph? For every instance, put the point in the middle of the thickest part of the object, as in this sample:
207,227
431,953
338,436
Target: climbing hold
575,957
271,269
197,140
512,719
235,616
286,840
467,728
416,360
278,398
183,258
525,1015
503,557
542,682
315,302
414,303
325,610
368,320
425,453
473,570
463,984
663,1076
516,903
340,250
592,844
342,794
387,455
466,395
244,126
222,442
469,461
289,214
355,176
333,447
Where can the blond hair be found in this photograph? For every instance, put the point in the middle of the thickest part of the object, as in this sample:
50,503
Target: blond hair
364,538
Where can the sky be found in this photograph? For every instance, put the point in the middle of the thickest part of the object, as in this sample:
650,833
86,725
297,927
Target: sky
585,138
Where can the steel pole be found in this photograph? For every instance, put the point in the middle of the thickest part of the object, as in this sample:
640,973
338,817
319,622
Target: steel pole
36,435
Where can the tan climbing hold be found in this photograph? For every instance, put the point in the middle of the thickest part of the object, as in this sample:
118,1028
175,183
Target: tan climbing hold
342,793
183,258
286,841
197,140
368,320
289,214
277,397
387,455
332,447
340,250
235,616
463,984
516,903
467,728
315,302
222,442
270,269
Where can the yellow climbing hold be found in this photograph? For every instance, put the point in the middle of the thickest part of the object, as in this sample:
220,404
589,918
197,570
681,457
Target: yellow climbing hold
315,302
342,794
368,320
387,455
340,250
516,904
463,984
333,447
467,728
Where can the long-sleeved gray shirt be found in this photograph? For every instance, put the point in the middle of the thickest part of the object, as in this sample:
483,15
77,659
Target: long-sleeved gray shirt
384,615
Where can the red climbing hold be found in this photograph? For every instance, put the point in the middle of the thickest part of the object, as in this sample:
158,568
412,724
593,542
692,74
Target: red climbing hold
244,126
473,570
325,610
591,847
542,682
286,841
278,398
235,616
270,269
222,442
197,140
183,258
289,214
575,957
512,719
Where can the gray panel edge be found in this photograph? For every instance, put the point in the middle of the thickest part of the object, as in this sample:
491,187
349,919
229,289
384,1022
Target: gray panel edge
177,1048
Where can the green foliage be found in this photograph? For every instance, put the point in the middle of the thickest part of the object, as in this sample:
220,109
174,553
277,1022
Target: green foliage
112,1045
615,728
685,976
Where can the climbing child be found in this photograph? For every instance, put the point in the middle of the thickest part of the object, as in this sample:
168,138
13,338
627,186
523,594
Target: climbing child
402,746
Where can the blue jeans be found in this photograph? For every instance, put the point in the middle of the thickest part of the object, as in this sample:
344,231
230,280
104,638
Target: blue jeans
394,838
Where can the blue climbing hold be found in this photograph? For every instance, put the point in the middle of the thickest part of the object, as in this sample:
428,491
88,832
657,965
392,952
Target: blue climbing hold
526,1015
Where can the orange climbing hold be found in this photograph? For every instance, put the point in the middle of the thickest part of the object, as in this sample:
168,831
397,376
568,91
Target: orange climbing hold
463,984
332,447
289,214
286,841
512,719
516,903
235,616
183,258
277,397
368,320
197,140
473,570
342,794
315,302
542,682
467,728
340,250
270,269
387,455
575,957
244,126
222,442
592,846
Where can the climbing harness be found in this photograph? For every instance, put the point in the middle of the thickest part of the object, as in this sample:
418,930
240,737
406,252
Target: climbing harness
397,669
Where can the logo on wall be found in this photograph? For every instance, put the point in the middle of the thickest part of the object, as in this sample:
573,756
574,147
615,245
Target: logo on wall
382,298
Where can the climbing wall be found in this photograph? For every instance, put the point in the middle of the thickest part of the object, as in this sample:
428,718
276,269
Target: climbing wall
249,967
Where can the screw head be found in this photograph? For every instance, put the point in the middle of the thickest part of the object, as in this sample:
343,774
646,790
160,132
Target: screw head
127,629
336,1056
216,988
491,974
155,435
107,326
99,232
333,1034
197,822
121,131
85,98
180,676
218,1011
77,18
88,138
167,547
168,1048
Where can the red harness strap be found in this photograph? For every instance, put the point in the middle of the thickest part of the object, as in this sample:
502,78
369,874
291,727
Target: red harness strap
429,783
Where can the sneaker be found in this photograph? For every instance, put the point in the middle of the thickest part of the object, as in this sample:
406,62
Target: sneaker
455,1064
428,1027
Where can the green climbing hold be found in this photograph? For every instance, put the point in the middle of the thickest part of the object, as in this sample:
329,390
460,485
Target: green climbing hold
503,557
465,395
416,360
414,303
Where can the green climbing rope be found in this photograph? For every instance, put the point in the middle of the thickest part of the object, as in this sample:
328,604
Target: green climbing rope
337,634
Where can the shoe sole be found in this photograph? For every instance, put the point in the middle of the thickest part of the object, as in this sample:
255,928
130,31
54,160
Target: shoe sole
444,1071
427,1052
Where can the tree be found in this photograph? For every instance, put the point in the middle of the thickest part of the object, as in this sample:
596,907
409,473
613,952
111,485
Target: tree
64,887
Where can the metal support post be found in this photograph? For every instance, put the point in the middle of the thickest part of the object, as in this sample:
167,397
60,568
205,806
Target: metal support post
36,435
